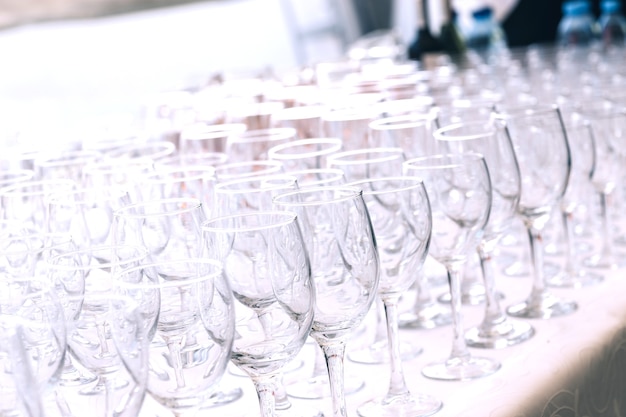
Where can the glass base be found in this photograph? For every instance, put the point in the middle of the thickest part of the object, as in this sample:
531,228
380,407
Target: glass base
73,377
408,405
318,387
498,336
471,295
542,306
298,410
459,369
426,316
578,279
223,396
603,262
378,353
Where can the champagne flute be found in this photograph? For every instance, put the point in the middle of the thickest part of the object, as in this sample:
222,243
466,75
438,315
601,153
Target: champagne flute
345,268
459,190
543,153
401,217
267,265
491,139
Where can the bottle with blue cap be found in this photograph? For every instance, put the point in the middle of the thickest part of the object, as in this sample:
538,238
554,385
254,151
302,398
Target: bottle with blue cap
612,23
484,32
576,27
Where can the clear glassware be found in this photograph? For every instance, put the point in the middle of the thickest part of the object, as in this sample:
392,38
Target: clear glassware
543,154
350,124
153,150
169,228
400,214
235,170
266,263
411,132
306,119
304,153
607,120
579,189
207,137
459,190
33,345
368,162
193,322
254,144
64,164
491,139
25,201
11,176
345,269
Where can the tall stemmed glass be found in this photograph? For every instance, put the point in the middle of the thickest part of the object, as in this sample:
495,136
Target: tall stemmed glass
32,329
459,190
542,150
491,139
87,319
267,265
400,213
579,189
345,267
191,305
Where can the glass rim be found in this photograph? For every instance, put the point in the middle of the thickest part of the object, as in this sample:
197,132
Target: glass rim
203,131
21,188
488,129
142,253
448,160
335,144
264,135
521,111
387,154
225,186
189,204
401,122
287,217
348,193
417,183
119,282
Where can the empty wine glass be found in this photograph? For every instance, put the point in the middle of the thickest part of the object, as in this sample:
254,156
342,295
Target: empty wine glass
401,217
191,307
490,139
205,137
235,170
411,132
459,190
31,318
267,265
368,162
542,150
254,144
345,268
304,153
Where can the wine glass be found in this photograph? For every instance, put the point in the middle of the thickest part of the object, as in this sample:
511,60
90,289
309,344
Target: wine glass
459,190
83,280
267,265
400,214
304,153
206,137
368,162
345,268
235,170
411,132
170,228
490,138
542,150
33,327
254,144
579,188
190,305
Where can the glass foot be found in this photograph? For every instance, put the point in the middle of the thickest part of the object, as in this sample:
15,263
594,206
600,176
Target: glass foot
472,295
501,335
603,262
408,405
543,306
426,316
458,369
222,397
378,353
73,377
578,279
318,387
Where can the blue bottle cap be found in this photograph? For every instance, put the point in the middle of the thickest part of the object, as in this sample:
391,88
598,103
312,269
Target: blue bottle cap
610,6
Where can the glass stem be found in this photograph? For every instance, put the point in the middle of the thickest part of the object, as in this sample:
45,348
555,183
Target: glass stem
459,346
266,391
571,264
494,314
397,383
535,238
281,399
334,354
174,347
605,220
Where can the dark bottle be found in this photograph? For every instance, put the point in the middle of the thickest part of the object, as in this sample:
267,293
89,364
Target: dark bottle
612,23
